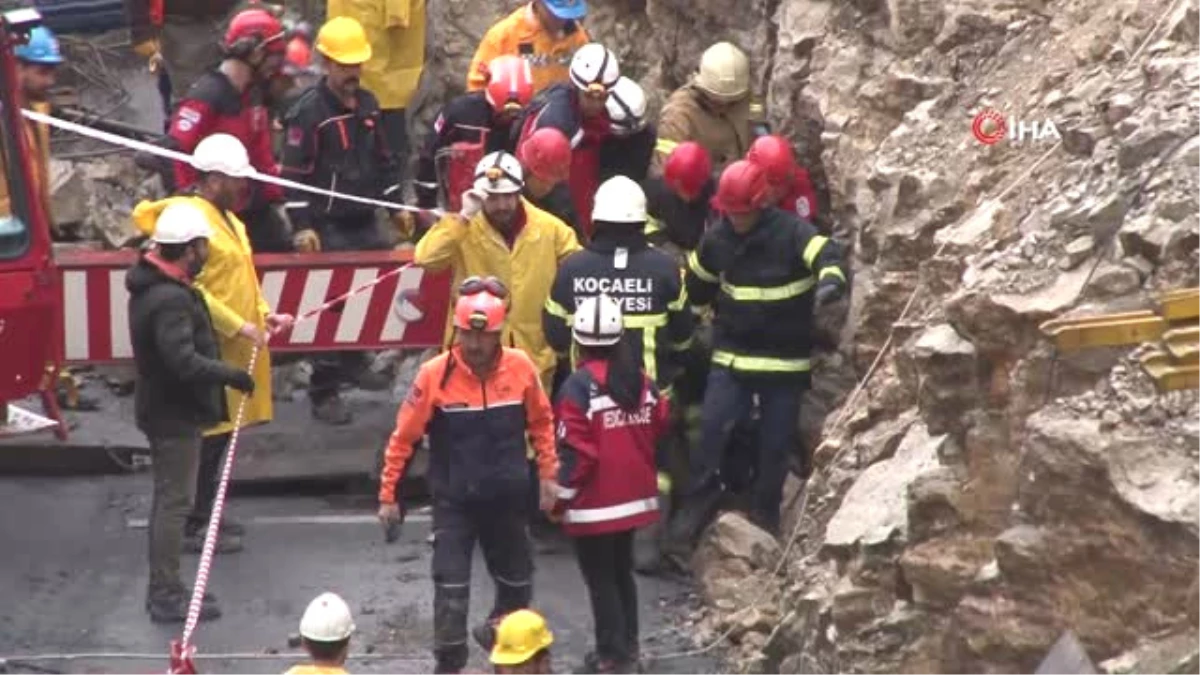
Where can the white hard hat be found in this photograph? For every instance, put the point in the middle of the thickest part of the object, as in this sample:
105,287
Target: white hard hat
724,72
626,106
598,321
222,153
620,200
327,619
179,223
594,64
499,173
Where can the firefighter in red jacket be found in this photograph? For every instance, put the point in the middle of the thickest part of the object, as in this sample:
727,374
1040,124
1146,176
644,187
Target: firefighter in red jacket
789,185
579,111
230,99
610,417
478,402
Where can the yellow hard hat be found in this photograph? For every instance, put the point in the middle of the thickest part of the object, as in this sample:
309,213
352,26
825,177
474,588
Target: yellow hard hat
519,637
343,40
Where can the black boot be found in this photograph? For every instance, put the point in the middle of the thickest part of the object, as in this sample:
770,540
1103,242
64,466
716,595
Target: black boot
172,606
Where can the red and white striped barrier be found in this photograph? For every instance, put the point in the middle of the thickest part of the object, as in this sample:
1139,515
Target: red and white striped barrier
96,303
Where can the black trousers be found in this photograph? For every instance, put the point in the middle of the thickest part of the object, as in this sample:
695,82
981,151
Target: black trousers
606,561
212,455
499,527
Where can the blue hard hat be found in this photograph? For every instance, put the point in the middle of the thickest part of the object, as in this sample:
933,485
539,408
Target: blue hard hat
567,9
42,48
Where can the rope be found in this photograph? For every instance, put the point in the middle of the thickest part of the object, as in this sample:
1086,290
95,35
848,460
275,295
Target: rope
174,155
182,651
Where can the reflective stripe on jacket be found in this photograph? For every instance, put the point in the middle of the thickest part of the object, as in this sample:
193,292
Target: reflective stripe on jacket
477,428
608,479
649,285
762,285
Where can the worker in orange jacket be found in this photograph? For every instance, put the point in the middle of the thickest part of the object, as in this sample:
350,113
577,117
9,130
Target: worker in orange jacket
477,401
543,32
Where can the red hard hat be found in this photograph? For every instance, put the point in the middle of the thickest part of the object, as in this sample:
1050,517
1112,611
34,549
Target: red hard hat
254,28
546,153
299,55
773,154
479,311
742,188
510,83
687,169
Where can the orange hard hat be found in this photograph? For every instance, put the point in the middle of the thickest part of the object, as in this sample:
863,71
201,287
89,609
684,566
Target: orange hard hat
510,83
687,169
482,310
742,188
773,154
546,153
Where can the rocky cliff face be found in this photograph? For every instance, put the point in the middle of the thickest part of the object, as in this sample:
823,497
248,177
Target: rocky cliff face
980,494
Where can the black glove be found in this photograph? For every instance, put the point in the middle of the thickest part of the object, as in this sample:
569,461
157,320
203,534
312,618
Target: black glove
829,290
242,381
391,530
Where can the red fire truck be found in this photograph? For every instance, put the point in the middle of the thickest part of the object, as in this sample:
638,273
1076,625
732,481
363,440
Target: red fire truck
70,308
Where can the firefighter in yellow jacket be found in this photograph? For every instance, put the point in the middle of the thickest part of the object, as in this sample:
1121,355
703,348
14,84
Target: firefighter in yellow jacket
501,234
545,33
712,110
396,33
240,314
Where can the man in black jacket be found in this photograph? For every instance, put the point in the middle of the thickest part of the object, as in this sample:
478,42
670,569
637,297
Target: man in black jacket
335,139
647,282
180,381
763,270
481,120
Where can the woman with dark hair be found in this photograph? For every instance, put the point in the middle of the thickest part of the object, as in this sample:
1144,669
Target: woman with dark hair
610,416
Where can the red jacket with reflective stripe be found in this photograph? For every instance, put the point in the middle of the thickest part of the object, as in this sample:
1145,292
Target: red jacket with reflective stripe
608,475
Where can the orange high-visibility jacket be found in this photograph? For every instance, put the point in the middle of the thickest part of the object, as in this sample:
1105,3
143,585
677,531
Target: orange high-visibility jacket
521,34
477,429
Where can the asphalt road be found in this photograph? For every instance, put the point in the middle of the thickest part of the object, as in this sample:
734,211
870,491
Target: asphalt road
73,574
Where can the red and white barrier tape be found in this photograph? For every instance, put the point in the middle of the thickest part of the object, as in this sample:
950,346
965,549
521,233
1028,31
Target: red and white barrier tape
254,174
182,650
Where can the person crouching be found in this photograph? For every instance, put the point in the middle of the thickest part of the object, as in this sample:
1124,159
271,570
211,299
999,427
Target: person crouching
610,417
325,631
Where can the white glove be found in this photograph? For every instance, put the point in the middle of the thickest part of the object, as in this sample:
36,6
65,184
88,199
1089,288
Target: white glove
472,203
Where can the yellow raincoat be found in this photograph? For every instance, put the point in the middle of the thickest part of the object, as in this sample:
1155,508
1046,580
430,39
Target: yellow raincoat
229,284
396,31
476,248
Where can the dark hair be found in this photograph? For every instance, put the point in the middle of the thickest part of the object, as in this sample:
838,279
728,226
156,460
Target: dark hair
325,651
625,377
173,252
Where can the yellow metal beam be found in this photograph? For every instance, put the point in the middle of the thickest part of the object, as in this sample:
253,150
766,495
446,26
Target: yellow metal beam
1183,343
1105,330
1168,373
1180,304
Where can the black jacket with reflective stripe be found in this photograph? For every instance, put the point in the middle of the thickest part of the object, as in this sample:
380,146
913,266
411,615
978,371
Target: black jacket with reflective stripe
762,284
648,284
